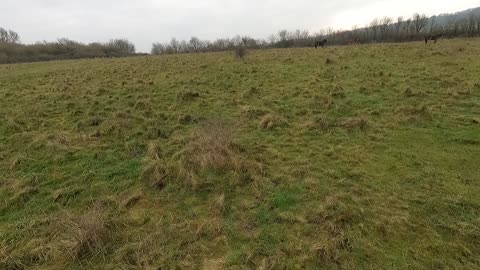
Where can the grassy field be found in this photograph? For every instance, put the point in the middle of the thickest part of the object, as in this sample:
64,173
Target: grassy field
358,157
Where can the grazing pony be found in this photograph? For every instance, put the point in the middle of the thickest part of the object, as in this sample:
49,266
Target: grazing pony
321,43
433,37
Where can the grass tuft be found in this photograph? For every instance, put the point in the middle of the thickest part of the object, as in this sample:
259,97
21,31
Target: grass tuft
187,95
212,147
85,235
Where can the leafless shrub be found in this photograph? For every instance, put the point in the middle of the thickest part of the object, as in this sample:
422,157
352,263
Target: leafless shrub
241,52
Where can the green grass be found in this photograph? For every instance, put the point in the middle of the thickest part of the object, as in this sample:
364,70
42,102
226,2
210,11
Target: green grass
277,161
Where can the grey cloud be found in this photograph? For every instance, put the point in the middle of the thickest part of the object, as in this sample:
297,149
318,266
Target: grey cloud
147,21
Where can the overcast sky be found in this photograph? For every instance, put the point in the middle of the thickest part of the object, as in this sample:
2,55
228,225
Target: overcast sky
148,21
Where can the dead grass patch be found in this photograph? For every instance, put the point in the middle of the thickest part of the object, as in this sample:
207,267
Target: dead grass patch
413,113
253,113
95,121
142,105
271,121
333,217
218,205
319,123
131,200
64,196
337,91
87,234
157,173
13,125
158,169
187,95
353,124
185,119
212,147
324,102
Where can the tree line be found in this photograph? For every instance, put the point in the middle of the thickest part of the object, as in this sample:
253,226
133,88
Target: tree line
386,29
13,51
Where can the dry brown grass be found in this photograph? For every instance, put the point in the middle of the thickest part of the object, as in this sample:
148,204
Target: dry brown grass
159,170
324,102
252,113
319,123
411,113
212,147
218,205
356,123
187,95
333,217
131,200
87,234
157,173
271,121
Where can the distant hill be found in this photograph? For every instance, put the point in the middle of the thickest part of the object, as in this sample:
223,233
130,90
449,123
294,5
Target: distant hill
459,17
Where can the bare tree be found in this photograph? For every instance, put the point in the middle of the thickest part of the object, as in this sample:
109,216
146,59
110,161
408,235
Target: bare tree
9,36
419,22
158,48
385,24
283,35
174,45
121,46
452,25
374,26
471,24
399,24
408,25
3,35
195,44
433,22
478,24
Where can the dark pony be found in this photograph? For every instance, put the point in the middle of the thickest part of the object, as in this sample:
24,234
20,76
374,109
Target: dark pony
321,43
433,37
